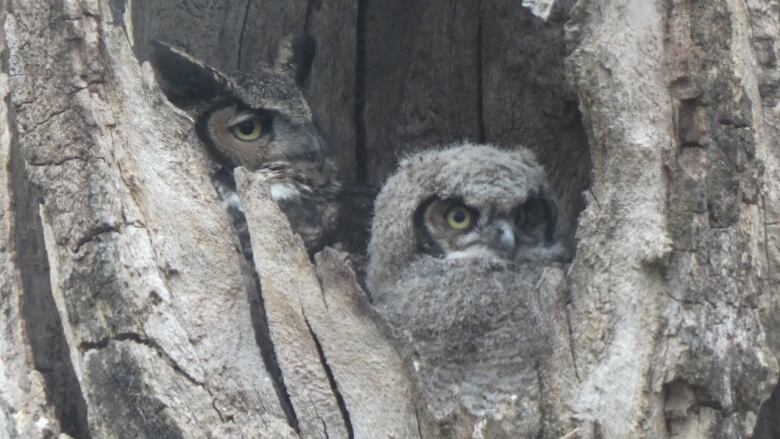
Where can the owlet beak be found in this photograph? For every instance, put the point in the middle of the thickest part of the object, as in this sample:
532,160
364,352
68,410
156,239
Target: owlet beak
503,240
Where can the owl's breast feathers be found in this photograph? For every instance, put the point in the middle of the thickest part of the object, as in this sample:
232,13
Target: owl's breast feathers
321,209
290,181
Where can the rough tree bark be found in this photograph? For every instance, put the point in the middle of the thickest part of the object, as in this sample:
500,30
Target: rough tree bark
127,312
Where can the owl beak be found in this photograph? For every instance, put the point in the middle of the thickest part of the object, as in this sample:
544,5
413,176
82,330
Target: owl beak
503,239
315,149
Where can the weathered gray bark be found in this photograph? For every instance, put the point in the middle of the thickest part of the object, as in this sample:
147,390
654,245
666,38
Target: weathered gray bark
138,297
342,373
674,265
126,310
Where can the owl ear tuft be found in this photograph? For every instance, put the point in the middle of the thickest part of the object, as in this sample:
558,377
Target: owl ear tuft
183,77
296,53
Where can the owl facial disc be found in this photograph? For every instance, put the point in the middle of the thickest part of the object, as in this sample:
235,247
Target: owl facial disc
463,201
253,137
452,230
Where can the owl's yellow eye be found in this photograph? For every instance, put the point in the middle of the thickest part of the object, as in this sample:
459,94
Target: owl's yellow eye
459,217
247,130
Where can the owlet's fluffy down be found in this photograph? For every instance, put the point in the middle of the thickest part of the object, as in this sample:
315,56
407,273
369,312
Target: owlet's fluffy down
459,238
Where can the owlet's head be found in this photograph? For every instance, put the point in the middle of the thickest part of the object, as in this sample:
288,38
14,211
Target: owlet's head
463,201
247,120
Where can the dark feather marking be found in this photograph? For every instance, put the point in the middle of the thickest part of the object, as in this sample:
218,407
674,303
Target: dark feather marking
201,128
551,219
425,242
184,78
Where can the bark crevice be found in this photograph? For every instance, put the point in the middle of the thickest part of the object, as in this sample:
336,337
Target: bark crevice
257,305
308,16
266,345
42,322
241,33
570,333
87,346
93,234
331,380
361,159
479,63
50,351
104,343
769,279
768,424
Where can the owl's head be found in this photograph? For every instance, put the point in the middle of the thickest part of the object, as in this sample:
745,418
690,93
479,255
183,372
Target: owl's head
247,120
463,201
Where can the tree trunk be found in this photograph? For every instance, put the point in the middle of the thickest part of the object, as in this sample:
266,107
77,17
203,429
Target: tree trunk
128,311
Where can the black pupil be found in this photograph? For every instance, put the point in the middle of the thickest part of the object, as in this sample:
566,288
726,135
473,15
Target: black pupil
459,216
247,127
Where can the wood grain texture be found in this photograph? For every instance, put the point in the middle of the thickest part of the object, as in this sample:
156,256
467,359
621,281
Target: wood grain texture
332,86
142,270
421,79
288,283
526,99
340,370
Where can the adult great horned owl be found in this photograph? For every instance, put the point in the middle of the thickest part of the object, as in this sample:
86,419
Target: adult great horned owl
261,122
458,242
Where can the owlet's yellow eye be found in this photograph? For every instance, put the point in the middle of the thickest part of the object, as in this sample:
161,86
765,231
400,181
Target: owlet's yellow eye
459,217
247,130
